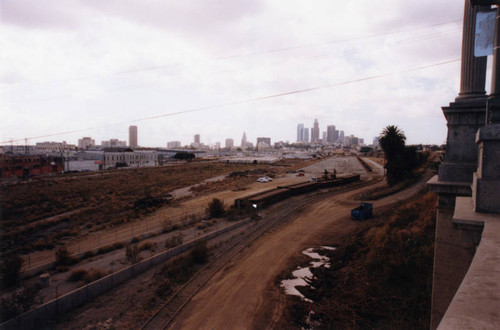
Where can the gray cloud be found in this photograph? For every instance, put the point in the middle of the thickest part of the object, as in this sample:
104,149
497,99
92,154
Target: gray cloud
36,14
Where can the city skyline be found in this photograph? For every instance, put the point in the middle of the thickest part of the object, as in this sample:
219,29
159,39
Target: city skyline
110,66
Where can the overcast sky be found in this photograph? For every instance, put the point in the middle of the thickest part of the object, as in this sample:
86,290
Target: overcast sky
219,68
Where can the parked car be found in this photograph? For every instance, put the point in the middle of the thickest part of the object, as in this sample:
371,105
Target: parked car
264,179
300,174
313,180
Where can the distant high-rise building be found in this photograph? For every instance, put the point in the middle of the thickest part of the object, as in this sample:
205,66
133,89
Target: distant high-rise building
174,144
341,137
244,140
229,143
132,136
330,134
300,133
306,135
265,140
113,143
315,132
85,143
197,138
375,141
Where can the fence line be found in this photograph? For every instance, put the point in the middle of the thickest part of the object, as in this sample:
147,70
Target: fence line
78,247
48,312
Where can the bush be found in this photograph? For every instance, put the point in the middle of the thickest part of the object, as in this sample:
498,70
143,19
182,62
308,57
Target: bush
216,208
93,275
174,241
200,252
20,301
164,288
77,275
10,269
166,226
132,253
63,257
88,254
148,245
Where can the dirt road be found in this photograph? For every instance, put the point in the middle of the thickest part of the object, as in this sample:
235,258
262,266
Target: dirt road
244,294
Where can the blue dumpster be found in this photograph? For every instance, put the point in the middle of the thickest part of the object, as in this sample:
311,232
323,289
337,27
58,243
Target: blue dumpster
363,212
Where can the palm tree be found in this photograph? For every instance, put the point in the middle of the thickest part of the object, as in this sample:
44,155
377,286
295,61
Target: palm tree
392,140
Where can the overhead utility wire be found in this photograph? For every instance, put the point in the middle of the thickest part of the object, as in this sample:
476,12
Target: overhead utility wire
250,100
242,55
337,41
322,57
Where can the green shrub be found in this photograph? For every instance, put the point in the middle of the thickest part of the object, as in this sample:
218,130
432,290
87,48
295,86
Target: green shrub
216,208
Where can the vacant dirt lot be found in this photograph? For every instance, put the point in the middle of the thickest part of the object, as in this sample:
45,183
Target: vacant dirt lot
45,211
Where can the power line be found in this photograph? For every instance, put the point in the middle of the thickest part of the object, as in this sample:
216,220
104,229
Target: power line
163,66
322,57
250,100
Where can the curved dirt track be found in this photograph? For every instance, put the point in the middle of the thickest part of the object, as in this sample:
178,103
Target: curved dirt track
243,295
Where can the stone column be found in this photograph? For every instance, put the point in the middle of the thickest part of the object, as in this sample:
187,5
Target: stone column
486,184
464,117
473,71
467,114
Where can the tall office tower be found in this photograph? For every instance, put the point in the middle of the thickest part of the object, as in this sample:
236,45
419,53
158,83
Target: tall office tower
315,132
244,140
132,136
300,133
229,143
306,135
330,133
323,137
336,137
197,138
341,137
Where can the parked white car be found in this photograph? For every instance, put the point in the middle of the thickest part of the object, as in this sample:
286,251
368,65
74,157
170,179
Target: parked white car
264,179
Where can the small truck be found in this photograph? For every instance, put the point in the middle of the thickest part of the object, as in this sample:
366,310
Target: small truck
363,212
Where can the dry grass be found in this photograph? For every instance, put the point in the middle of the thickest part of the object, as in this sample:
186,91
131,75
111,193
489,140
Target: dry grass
37,214
380,276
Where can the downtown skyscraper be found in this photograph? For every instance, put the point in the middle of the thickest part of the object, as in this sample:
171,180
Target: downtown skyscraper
315,132
300,132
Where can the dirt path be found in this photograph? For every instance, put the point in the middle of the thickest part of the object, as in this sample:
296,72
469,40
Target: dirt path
243,295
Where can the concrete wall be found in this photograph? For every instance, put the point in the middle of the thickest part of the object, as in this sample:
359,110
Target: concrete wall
476,304
50,311
452,258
